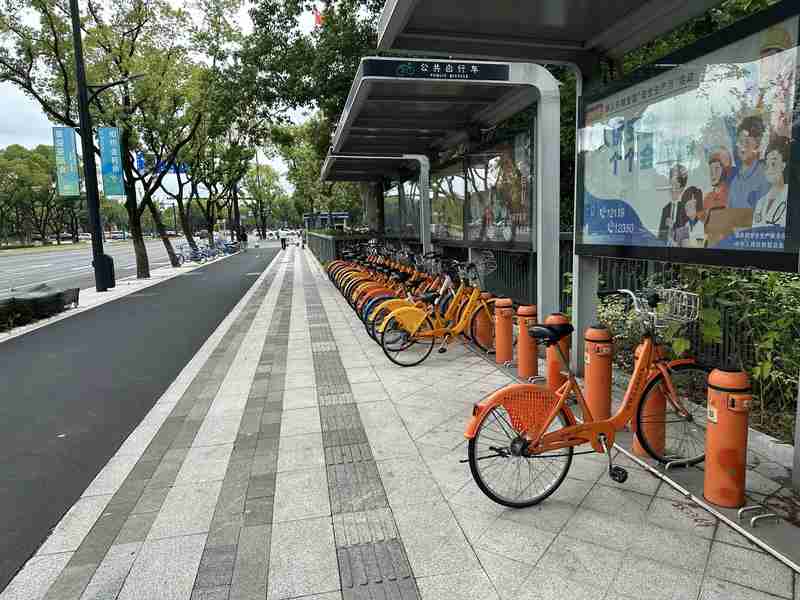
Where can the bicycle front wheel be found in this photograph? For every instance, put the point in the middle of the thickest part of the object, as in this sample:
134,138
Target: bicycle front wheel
406,349
672,429
508,476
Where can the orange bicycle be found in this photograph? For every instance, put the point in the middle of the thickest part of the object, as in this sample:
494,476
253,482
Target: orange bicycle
522,437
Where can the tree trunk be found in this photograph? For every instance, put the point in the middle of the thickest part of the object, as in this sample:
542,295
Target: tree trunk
186,224
139,249
237,222
162,233
131,205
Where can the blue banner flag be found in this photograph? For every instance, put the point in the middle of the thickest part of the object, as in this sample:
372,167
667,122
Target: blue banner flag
111,161
67,177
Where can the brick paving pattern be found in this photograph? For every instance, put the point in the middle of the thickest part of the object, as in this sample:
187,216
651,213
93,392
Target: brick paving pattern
291,461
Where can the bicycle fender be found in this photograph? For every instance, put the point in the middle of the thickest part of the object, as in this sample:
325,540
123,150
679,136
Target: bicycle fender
482,407
672,363
390,305
409,317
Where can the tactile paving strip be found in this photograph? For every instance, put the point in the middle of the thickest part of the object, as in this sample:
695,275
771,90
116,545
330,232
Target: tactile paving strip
372,561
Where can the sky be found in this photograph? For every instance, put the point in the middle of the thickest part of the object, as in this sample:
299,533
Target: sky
23,122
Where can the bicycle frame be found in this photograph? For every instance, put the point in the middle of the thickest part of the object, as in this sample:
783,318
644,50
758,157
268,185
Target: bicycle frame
650,363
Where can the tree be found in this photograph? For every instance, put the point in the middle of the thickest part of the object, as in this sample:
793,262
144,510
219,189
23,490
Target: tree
299,146
130,37
263,187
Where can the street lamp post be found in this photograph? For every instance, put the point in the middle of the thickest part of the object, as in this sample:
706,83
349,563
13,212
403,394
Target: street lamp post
102,263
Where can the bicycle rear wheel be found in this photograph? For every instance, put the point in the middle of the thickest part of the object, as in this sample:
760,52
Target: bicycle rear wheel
668,434
406,349
506,475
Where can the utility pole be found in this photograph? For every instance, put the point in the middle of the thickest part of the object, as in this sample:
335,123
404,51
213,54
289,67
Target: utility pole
102,263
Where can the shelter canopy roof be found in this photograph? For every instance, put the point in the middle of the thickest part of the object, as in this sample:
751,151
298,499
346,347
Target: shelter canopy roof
572,31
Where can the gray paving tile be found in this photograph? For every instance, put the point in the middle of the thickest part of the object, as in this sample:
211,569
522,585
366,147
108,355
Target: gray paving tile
682,516
300,452
616,501
752,569
408,481
136,528
433,540
553,585
516,541
216,567
70,582
165,569
217,593
306,563
603,530
301,495
204,463
717,589
362,527
465,586
300,421
258,511
261,486
673,547
73,527
506,575
117,563
582,562
252,563
187,510
644,578
376,569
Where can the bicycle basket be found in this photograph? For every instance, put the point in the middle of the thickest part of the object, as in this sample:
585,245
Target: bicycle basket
675,307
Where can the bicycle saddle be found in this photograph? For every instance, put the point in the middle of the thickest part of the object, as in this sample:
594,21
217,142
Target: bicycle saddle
429,297
551,334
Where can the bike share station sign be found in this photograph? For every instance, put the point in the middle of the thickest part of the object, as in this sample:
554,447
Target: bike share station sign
696,160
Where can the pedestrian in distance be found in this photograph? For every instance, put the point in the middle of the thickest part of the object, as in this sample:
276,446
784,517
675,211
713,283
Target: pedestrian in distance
243,239
282,235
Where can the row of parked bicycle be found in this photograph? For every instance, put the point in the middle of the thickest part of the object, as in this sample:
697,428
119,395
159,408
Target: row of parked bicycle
522,437
407,306
202,253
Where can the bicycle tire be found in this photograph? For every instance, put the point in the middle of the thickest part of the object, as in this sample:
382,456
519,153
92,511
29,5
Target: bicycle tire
651,446
474,458
474,325
389,345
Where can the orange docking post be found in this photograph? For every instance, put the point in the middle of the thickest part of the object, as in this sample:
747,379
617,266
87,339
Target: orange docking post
503,331
598,357
527,350
729,398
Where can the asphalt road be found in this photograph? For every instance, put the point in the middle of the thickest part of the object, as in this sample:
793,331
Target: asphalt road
72,267
71,392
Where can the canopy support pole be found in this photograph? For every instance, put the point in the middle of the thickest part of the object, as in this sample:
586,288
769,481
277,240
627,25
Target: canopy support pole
424,200
548,197
585,269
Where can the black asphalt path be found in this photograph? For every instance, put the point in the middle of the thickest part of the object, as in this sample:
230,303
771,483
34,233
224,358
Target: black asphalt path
71,392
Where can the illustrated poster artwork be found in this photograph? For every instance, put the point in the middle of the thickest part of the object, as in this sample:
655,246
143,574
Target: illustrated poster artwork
699,156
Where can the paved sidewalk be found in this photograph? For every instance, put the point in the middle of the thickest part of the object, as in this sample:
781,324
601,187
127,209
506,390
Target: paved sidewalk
291,460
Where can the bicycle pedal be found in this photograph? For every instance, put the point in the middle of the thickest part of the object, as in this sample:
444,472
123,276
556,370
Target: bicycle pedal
618,474
442,350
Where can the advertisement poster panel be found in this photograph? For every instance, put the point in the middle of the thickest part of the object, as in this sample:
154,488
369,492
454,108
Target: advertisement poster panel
111,161
67,178
698,157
